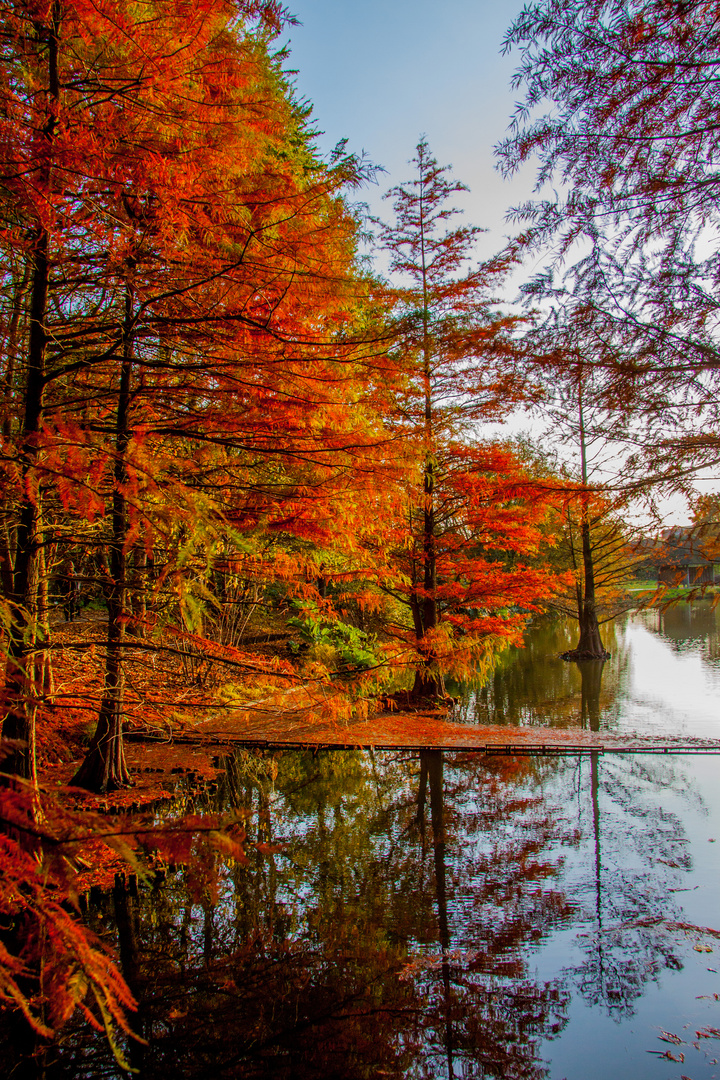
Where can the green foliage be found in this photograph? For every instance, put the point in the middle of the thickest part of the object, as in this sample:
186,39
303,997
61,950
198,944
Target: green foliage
350,647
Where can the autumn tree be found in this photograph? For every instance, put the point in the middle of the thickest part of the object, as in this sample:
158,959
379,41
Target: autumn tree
56,169
619,104
252,322
468,504
173,221
30,210
593,432
598,546
51,962
705,512
190,367
629,91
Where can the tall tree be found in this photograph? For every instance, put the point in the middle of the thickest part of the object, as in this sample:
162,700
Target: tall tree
630,90
595,434
31,42
621,97
192,305
252,320
469,504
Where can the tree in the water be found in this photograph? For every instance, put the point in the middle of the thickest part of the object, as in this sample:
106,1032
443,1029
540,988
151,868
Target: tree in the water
470,521
594,431
589,644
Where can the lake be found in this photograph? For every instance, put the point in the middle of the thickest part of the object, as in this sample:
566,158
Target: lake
436,914
663,677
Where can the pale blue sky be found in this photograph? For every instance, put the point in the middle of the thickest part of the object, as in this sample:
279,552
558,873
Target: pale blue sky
382,72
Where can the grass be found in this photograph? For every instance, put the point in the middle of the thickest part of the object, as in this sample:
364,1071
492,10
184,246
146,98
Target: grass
674,592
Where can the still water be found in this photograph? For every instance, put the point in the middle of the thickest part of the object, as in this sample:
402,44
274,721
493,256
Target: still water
663,677
454,915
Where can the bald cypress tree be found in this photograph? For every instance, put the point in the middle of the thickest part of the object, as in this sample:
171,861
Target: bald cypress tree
453,351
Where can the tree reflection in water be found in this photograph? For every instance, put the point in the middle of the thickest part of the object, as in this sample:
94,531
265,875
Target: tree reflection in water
533,687
360,940
639,853
388,917
489,1014
688,627
638,850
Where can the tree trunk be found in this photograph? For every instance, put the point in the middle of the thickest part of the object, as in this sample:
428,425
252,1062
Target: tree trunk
104,767
427,685
24,672
7,385
11,348
138,590
21,690
45,676
590,646
21,685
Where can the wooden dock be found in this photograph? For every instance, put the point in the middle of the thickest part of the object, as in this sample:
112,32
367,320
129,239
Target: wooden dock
265,728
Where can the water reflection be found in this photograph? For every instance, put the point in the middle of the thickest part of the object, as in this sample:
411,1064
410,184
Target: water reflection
663,677
450,915
591,672
431,915
489,1013
687,626
534,687
638,848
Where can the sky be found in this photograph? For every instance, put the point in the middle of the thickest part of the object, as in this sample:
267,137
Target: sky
381,73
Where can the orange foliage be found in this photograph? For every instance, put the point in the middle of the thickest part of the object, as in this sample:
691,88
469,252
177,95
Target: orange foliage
468,542
201,315
50,962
